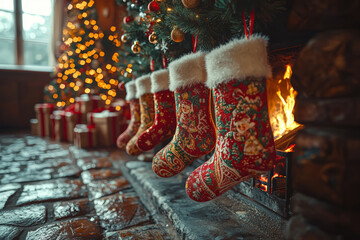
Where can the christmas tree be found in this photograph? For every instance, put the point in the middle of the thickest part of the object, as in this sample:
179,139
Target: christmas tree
162,31
87,63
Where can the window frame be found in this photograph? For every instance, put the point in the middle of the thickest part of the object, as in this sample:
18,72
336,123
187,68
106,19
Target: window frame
19,42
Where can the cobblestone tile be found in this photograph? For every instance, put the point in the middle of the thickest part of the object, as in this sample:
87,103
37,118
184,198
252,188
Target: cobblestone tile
45,174
149,232
98,174
9,233
52,190
7,157
4,196
82,153
100,188
81,228
15,147
9,167
6,191
60,153
67,171
10,186
24,216
71,208
94,163
120,211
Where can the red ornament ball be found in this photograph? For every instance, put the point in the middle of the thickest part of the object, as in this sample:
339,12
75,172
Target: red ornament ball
121,86
153,6
128,19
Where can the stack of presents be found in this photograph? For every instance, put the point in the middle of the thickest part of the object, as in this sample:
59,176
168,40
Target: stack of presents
86,123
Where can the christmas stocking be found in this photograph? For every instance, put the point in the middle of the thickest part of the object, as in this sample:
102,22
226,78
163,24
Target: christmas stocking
244,144
165,119
195,131
143,92
134,123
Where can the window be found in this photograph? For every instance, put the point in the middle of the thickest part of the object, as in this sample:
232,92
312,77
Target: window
25,32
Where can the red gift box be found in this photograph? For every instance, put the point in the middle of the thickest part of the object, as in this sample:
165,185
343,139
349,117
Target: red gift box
85,136
34,124
43,112
108,126
86,104
72,119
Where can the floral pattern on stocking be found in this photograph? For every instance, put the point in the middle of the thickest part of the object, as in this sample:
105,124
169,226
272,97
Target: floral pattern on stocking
165,122
133,126
147,119
245,145
194,135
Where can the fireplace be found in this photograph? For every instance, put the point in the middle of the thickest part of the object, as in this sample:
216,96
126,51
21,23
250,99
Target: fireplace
273,190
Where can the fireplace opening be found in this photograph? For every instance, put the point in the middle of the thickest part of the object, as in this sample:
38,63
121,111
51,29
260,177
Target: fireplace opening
273,189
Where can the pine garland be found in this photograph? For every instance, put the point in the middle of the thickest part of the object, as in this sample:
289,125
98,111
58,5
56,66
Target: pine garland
214,22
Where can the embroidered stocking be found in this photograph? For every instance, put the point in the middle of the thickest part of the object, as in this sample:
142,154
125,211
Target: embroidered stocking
165,119
143,92
134,123
244,145
195,131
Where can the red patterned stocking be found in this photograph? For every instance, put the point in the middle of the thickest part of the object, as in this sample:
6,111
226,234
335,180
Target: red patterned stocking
143,91
244,145
195,131
134,124
165,119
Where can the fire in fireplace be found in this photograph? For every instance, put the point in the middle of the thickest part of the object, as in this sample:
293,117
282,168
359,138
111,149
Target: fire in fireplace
273,190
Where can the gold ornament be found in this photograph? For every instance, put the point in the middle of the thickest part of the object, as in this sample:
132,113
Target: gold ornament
124,38
153,38
190,3
136,48
177,35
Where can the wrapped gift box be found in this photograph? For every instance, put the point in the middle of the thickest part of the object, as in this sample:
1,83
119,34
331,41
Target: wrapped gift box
63,124
108,126
43,112
34,123
55,115
86,104
85,136
72,119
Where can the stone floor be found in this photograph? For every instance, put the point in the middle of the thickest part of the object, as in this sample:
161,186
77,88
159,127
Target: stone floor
55,191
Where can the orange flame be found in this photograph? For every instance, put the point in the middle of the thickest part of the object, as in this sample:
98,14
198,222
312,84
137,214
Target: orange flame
282,119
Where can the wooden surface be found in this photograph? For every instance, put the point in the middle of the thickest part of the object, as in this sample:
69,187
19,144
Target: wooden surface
20,89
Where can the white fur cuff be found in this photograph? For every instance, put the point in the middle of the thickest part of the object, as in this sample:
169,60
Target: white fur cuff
187,70
130,90
160,80
238,59
143,85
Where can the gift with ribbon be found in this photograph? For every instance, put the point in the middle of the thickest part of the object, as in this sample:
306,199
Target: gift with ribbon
54,117
34,124
86,104
108,126
72,119
85,136
43,112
